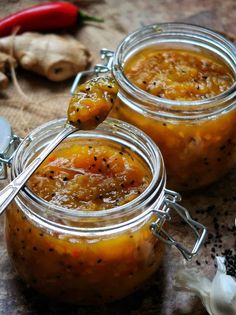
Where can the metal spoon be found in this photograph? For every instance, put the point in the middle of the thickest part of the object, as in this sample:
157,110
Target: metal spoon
95,116
8,193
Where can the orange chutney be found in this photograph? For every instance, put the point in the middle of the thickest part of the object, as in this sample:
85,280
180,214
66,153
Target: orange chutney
91,177
92,102
178,74
196,151
85,269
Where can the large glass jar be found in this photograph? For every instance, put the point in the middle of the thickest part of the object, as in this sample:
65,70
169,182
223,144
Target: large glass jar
197,138
93,256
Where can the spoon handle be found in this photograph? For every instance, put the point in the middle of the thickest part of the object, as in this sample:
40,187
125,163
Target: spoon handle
10,191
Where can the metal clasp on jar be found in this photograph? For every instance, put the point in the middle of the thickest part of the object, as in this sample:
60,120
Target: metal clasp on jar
98,69
164,214
8,144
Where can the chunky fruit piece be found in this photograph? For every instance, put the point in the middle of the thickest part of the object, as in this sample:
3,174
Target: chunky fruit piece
92,102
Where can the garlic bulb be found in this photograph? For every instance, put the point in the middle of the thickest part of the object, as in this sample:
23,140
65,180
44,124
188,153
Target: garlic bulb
218,296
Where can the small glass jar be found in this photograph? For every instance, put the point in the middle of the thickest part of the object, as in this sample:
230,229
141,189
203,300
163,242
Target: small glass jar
88,257
197,138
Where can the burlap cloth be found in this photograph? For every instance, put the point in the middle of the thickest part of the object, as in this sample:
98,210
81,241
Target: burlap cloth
48,100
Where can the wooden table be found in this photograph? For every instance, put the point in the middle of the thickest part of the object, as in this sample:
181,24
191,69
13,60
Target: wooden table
215,204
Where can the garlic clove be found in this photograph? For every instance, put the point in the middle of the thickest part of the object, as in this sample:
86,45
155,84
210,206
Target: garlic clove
218,296
190,281
223,292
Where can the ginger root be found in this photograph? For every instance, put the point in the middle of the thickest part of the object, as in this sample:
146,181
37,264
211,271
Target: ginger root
3,81
5,62
55,57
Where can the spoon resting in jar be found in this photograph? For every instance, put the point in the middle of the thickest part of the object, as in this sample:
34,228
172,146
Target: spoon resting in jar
87,109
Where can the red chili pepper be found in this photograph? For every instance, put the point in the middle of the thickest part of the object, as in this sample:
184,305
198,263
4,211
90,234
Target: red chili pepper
45,17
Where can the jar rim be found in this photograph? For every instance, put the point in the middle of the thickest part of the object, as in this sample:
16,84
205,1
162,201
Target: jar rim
154,189
175,29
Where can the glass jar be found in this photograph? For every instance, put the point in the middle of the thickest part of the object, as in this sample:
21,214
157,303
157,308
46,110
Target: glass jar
88,257
197,138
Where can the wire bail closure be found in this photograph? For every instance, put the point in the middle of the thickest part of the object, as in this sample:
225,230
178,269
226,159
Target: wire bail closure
170,203
107,57
7,156
8,144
